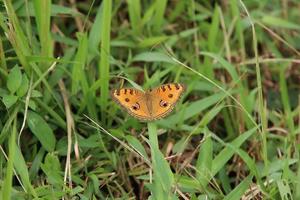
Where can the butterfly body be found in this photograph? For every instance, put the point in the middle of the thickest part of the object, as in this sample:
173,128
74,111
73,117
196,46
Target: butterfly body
150,105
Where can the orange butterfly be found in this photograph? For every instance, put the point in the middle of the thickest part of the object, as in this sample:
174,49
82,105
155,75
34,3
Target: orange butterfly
150,105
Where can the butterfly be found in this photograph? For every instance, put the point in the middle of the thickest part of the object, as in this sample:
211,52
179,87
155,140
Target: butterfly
150,105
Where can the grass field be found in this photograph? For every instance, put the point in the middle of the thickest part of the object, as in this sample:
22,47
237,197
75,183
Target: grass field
233,135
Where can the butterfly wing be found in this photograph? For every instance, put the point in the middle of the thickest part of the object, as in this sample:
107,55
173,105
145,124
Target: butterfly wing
164,98
133,101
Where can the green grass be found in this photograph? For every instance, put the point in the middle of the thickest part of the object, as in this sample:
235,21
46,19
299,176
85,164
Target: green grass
233,135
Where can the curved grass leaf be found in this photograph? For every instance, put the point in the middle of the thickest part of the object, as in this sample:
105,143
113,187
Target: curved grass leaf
224,156
9,100
137,145
52,169
152,57
40,128
239,191
14,79
22,170
279,22
163,176
24,86
7,184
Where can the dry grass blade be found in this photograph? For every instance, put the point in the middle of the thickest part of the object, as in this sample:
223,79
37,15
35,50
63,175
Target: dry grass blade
70,129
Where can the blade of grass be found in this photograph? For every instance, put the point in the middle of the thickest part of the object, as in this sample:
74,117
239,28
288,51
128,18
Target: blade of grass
5,131
261,105
42,10
163,176
137,145
94,36
41,129
286,102
289,119
227,153
41,78
212,41
279,22
297,185
104,56
152,57
7,183
246,158
238,26
240,190
59,120
205,157
16,35
2,58
240,37
70,130
195,108
22,170
79,77
204,161
134,9
158,17
36,164
284,189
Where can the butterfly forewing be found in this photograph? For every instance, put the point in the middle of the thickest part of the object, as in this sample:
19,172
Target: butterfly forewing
133,101
164,98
